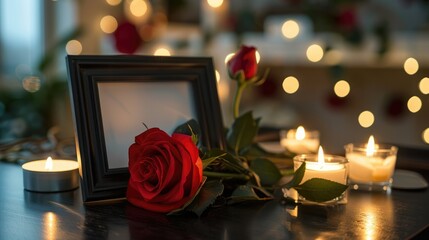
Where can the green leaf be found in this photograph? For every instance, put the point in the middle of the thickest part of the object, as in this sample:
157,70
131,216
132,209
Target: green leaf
320,190
191,128
286,172
268,173
283,160
209,160
227,161
255,150
214,152
297,177
206,197
244,193
242,132
226,175
235,163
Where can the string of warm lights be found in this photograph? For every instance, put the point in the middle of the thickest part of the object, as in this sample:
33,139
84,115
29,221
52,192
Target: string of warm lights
315,53
138,11
414,103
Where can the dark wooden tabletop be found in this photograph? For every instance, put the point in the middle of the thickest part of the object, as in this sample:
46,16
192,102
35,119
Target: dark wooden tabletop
367,215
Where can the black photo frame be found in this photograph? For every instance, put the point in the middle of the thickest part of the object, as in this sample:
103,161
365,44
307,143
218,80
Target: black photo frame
112,96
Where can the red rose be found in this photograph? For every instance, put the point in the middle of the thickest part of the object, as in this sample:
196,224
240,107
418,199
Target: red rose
245,60
166,172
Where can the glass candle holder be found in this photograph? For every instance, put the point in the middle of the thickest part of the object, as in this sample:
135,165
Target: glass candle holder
371,170
299,141
334,168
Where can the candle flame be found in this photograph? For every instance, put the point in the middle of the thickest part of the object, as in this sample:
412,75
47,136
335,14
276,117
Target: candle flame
321,156
370,148
215,3
300,133
49,164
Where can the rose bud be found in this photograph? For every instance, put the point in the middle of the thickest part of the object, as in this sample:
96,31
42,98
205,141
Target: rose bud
243,60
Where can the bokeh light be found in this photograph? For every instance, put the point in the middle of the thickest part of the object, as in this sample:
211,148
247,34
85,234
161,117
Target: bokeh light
228,57
290,84
342,88
424,85
223,91
414,104
290,29
137,11
74,47
314,53
215,3
138,8
257,56
366,119
113,2
425,135
217,76
411,66
108,24
31,84
162,52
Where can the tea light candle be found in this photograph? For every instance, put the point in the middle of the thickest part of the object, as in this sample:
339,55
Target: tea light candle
329,167
299,141
371,165
50,175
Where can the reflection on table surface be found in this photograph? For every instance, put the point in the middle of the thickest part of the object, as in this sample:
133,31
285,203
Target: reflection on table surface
367,215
